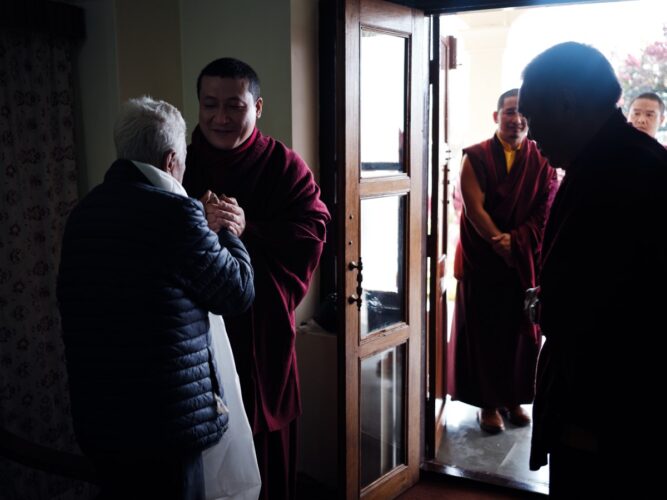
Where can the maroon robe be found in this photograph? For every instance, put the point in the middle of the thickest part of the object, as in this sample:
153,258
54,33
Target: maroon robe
284,234
493,350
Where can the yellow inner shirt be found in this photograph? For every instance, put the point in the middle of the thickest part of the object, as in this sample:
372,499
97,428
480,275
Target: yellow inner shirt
510,154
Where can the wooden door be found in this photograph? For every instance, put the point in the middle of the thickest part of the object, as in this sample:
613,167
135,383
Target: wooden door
381,162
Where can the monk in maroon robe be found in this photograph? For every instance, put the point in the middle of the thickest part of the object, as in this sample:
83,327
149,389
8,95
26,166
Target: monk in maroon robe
265,193
507,188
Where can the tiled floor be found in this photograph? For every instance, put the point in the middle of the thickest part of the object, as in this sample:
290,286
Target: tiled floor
504,455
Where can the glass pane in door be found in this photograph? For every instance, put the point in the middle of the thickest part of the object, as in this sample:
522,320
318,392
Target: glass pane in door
383,378
382,103
383,258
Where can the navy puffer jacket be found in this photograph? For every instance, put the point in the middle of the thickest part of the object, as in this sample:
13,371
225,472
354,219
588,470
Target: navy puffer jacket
139,271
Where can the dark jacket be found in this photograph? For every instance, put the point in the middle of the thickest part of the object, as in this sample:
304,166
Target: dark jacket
139,271
603,294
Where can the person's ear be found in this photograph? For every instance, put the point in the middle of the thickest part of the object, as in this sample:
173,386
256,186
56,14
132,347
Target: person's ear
495,116
169,162
259,103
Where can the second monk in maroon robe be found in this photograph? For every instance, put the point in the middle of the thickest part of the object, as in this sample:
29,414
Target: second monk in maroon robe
507,186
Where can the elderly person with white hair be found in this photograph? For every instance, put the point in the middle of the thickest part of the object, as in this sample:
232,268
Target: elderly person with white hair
139,272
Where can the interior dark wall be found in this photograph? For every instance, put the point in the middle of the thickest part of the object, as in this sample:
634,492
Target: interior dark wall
42,16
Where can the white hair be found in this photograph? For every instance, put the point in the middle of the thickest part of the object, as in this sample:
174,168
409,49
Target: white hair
146,130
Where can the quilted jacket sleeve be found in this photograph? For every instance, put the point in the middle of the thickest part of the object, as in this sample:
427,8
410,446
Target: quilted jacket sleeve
216,268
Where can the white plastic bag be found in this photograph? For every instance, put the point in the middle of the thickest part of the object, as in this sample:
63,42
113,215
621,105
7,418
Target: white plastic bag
230,466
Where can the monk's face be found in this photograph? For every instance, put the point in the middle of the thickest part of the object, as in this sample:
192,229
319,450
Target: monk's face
645,115
227,111
512,127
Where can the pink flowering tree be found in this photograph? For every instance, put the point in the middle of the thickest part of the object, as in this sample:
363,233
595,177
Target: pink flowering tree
648,73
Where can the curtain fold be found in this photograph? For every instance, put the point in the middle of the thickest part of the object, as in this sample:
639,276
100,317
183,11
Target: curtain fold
38,188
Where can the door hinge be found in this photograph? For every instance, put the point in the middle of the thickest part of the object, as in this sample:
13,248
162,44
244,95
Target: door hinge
452,60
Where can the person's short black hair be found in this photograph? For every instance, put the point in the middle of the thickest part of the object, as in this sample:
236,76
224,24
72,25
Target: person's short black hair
579,68
651,96
228,67
505,95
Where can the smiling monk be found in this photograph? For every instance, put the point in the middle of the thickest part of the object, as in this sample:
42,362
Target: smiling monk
264,193
507,187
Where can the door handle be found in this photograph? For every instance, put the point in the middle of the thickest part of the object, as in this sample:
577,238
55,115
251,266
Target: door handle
356,297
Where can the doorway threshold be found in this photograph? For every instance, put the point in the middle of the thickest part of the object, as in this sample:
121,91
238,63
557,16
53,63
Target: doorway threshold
432,467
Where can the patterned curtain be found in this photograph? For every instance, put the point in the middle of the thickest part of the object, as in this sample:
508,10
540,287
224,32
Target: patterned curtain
38,187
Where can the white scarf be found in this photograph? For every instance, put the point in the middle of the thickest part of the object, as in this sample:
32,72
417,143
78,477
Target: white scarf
160,178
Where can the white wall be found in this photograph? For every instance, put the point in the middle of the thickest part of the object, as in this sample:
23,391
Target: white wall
255,31
305,106
316,352
478,81
148,46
